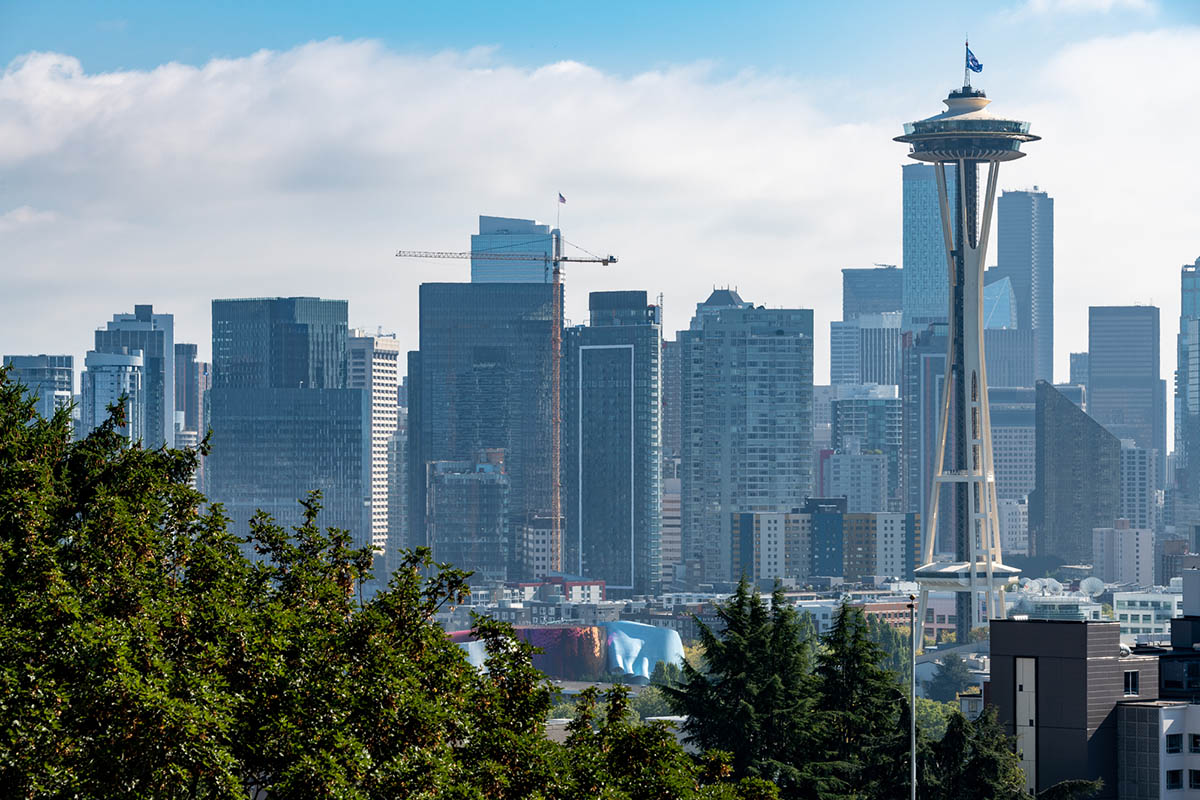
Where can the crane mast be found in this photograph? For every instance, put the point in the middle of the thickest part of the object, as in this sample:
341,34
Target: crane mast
554,262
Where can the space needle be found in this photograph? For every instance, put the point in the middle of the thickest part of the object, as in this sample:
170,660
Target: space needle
965,136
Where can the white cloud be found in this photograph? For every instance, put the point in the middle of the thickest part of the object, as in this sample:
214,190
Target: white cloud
22,216
1039,7
301,172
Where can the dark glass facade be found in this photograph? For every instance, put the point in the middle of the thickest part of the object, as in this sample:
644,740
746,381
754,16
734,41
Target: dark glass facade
50,380
154,335
468,519
871,291
1077,476
1025,255
283,422
481,381
612,457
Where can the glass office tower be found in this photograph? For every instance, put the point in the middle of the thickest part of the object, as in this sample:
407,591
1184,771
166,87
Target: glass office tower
926,294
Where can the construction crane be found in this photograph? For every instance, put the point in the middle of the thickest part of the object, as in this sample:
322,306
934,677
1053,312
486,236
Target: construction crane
553,264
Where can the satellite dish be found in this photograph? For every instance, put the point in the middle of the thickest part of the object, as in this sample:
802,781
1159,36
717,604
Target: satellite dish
1092,587
1034,586
1052,586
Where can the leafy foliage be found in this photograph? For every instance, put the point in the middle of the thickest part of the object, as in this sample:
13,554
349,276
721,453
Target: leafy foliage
952,676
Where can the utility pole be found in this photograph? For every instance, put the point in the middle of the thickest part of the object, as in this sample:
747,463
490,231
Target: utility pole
912,697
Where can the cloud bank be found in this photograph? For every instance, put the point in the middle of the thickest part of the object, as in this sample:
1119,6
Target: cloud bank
301,172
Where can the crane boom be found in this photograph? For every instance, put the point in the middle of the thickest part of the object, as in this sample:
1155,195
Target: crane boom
556,537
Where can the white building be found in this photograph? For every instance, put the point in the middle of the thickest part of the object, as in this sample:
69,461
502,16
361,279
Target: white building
670,538
1146,616
106,378
1014,526
374,367
1139,496
1124,554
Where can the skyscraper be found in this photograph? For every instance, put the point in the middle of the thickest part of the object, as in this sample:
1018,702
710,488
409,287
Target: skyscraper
870,418
1187,384
509,236
105,380
1139,499
1079,369
1078,479
921,393
747,421
481,381
871,291
153,335
283,420
865,349
1009,356
1125,393
671,400
924,275
612,456
1025,255
50,380
374,367
1014,434
468,519
965,136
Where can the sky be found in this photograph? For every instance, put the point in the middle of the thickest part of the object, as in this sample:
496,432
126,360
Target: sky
170,153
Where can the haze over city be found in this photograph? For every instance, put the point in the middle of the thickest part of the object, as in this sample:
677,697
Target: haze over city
173,155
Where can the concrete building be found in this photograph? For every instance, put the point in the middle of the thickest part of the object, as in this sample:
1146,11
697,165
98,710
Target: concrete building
672,398
611,444
671,552
1139,498
1125,393
50,380
1078,479
865,349
108,379
284,421
869,418
861,478
1056,685
1145,616
510,236
153,335
1009,356
921,393
1025,256
1014,526
1079,369
374,367
482,381
1123,554
1014,435
747,421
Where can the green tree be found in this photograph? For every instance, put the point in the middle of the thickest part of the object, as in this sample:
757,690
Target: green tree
952,676
896,645
143,654
753,694
933,717
975,761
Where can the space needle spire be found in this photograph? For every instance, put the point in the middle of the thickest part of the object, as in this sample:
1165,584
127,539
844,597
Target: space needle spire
964,137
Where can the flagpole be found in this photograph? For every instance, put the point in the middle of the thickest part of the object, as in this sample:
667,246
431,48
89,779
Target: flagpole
966,64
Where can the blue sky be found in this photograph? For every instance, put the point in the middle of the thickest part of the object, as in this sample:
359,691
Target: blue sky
849,40
703,143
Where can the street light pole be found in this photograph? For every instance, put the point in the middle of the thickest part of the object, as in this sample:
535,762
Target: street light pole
912,697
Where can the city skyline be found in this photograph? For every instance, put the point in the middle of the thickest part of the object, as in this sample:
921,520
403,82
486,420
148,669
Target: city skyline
252,190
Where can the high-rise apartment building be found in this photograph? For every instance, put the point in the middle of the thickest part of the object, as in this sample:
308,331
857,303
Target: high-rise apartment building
1009,356
374,367
671,399
482,381
1014,428
284,421
506,236
192,379
50,380
109,379
1125,392
1025,255
671,536
1123,553
397,463
871,291
865,349
611,444
154,335
869,418
926,284
747,420
1078,479
1139,497
861,478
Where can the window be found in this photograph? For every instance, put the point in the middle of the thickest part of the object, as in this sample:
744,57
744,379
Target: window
1174,742
1131,684
1174,779
1194,744
1194,778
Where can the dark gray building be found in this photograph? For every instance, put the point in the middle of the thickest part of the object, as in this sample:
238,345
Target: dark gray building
1025,255
482,381
612,456
1056,685
871,291
926,295
920,393
1187,384
1078,479
1079,369
671,400
283,422
1010,356
50,380
870,419
192,379
747,421
1125,391
154,335
467,515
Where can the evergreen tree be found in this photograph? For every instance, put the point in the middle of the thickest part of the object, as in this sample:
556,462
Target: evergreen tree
952,676
896,645
752,697
976,761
